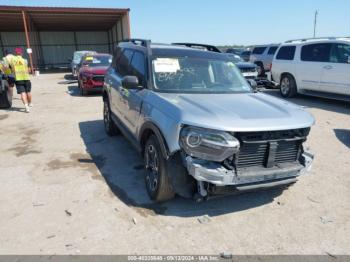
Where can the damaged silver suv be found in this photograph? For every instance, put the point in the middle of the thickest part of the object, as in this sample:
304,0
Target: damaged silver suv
200,127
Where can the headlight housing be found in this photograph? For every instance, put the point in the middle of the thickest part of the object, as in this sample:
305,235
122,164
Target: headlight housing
208,144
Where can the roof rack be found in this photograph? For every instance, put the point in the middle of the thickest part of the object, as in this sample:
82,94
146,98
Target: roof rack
208,47
137,41
315,38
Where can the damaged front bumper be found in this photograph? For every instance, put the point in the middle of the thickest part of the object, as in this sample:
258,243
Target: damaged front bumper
249,178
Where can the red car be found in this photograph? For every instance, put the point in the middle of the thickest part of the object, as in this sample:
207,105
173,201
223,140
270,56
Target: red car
92,72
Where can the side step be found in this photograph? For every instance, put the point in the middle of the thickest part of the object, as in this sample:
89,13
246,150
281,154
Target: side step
326,95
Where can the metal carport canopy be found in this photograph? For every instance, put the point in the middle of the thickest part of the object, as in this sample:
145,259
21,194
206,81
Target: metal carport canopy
61,18
34,21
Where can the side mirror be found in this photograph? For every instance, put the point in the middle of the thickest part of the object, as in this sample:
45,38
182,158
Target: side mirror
130,82
70,60
253,85
348,59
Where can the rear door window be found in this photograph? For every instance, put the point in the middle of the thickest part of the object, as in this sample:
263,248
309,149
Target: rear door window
340,53
123,62
272,50
286,53
138,67
259,50
316,52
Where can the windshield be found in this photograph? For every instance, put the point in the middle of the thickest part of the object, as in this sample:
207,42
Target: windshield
92,61
197,75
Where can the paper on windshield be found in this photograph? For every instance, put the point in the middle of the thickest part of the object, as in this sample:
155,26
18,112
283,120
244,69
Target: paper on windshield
166,65
89,58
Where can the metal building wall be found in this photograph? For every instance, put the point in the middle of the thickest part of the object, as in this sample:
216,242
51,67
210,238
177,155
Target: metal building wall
11,40
56,47
97,41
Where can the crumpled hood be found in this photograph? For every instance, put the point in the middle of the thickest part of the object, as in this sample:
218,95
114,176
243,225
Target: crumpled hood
97,70
233,112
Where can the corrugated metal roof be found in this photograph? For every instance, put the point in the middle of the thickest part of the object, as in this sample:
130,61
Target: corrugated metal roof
60,18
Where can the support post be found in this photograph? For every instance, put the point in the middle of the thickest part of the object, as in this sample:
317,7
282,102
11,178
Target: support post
27,40
129,26
2,46
75,41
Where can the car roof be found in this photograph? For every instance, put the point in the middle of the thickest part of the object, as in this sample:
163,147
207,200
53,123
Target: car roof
160,49
101,54
316,40
84,51
267,45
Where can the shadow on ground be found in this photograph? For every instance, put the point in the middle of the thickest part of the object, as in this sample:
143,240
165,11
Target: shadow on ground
74,90
315,102
122,170
69,79
343,136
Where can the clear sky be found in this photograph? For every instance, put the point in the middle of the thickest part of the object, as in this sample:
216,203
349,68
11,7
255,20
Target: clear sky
222,22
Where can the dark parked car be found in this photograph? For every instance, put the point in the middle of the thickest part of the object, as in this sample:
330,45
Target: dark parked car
236,51
246,55
248,70
5,94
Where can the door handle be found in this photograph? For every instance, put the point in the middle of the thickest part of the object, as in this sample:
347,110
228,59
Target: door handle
328,67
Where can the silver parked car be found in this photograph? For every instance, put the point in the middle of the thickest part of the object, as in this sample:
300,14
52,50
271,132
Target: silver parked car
77,55
262,56
200,127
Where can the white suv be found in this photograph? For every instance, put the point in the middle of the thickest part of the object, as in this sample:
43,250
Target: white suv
262,56
317,66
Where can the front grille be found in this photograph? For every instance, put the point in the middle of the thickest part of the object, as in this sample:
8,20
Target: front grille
268,149
98,78
248,70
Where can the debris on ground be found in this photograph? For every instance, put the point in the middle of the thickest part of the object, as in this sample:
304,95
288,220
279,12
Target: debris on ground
325,221
329,254
68,213
226,255
51,236
204,219
116,209
38,204
312,200
134,220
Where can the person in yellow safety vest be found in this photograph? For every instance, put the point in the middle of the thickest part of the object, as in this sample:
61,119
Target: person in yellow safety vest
7,70
19,67
7,60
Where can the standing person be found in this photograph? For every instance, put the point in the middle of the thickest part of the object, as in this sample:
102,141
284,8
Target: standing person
7,70
19,67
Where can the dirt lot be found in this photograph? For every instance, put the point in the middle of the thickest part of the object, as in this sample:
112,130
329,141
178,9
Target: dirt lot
67,188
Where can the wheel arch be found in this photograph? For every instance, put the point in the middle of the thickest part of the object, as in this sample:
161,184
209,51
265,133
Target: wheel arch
287,73
149,128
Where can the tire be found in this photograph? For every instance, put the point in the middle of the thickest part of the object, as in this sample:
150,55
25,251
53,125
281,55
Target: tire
5,96
110,127
288,87
158,184
260,69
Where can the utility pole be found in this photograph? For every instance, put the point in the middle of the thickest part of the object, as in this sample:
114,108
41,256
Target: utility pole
315,23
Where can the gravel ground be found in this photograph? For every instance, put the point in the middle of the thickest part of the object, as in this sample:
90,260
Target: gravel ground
67,188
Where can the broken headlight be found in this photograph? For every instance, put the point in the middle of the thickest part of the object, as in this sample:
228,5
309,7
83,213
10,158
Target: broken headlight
208,144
